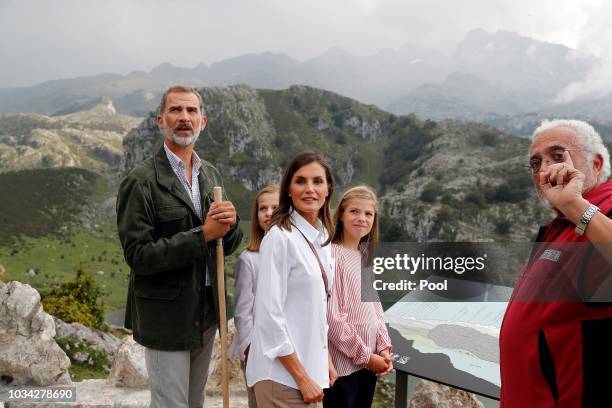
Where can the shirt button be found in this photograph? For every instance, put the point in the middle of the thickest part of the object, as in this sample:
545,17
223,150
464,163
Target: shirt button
197,324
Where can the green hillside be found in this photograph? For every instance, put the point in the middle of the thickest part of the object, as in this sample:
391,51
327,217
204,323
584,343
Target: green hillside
52,223
39,202
47,261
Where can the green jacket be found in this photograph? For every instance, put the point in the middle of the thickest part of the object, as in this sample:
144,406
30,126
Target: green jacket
166,250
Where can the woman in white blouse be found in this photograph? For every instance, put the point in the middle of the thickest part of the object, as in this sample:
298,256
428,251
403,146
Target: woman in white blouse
266,201
289,363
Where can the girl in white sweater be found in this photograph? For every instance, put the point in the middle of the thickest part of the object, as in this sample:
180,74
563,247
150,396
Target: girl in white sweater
247,266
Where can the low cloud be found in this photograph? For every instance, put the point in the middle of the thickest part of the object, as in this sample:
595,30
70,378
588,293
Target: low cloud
595,37
41,39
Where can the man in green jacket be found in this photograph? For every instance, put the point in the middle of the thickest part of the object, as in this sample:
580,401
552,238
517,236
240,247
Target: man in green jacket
168,226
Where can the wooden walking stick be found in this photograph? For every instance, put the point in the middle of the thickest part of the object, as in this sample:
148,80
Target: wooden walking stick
218,197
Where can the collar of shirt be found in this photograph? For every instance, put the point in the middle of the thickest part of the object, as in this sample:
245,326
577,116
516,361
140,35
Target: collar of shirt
179,166
311,232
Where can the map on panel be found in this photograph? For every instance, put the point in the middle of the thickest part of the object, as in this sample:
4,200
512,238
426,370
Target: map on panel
455,343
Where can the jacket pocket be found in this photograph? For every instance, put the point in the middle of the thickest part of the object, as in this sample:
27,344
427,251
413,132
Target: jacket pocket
166,214
171,220
596,360
159,286
547,365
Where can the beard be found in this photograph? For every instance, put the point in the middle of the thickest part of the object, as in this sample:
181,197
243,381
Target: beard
182,140
544,201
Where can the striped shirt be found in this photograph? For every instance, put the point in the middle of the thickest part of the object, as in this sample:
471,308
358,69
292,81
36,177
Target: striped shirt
356,329
192,189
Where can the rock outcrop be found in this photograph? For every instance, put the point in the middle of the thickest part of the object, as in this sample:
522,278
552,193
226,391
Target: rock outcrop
129,368
88,139
97,338
28,353
429,394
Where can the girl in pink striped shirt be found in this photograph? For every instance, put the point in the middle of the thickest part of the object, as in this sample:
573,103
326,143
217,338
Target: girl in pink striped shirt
359,344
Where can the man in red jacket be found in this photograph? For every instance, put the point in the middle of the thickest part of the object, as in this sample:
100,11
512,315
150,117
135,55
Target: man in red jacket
556,337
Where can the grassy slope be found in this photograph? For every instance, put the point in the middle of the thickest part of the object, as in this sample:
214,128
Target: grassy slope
42,229
39,202
56,259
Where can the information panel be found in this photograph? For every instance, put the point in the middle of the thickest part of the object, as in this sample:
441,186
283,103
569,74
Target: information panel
454,343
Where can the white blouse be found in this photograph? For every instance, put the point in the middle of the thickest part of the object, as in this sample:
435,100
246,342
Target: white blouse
244,301
291,304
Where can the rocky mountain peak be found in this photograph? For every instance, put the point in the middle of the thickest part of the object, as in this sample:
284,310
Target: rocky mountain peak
164,67
520,62
481,41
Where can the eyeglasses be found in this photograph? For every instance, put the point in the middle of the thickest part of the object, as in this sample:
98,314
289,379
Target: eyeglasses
555,156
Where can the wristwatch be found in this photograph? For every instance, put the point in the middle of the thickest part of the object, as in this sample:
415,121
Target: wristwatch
585,219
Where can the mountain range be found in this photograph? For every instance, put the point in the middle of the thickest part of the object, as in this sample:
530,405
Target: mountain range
499,78
443,180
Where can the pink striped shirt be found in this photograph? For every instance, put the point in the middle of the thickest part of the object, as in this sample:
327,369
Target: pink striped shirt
356,329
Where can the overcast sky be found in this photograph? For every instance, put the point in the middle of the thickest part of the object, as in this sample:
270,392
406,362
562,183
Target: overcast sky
51,39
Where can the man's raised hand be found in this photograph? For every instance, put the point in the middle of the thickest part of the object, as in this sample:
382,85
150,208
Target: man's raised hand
562,183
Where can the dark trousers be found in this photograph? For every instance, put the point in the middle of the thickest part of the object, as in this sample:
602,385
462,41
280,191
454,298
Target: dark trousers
351,391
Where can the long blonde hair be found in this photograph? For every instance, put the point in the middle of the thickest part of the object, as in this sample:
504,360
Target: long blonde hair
257,233
366,243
